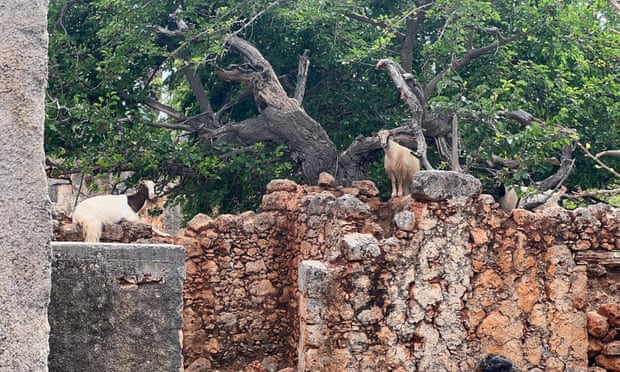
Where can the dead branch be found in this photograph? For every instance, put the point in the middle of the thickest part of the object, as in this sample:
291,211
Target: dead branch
258,75
597,160
302,76
410,93
469,55
454,159
158,106
607,153
198,89
593,193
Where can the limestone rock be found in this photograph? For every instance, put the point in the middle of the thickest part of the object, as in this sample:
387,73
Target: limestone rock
199,223
442,185
366,188
358,246
405,220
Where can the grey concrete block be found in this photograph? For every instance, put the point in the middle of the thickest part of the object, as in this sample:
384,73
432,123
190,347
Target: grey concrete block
116,307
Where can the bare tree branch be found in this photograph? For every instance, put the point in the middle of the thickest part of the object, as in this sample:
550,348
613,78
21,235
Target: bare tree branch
416,106
455,164
172,126
607,153
258,75
597,160
302,76
198,89
158,106
593,193
469,55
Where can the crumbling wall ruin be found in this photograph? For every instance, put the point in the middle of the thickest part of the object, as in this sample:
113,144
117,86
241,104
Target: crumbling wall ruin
331,279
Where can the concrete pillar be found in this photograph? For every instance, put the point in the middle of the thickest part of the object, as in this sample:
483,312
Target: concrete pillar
116,307
25,223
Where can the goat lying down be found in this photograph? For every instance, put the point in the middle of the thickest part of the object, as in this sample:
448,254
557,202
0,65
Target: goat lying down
400,164
101,210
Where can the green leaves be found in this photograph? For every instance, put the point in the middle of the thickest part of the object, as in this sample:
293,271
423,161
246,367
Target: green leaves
107,56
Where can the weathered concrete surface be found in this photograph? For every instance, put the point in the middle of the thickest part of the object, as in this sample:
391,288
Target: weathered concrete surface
24,205
441,185
116,307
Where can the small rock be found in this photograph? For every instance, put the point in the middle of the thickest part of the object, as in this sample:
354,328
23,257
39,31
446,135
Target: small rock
405,220
199,365
595,346
281,185
612,312
612,349
597,324
326,180
610,363
199,223
366,187
254,267
358,246
262,288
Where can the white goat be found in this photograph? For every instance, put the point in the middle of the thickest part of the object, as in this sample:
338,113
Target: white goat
97,211
400,164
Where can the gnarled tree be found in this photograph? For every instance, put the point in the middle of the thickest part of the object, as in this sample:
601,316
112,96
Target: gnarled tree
153,88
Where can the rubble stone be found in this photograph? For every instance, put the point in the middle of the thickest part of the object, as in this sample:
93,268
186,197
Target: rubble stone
597,324
612,313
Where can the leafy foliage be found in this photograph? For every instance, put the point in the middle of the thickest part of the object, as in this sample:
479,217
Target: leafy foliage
107,57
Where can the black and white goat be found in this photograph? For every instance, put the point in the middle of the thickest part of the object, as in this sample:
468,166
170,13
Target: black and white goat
400,163
101,210
509,199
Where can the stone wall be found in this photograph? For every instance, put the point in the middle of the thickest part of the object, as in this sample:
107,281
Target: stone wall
604,336
408,284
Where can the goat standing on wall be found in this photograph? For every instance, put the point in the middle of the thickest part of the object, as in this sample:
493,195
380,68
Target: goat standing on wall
94,212
400,163
509,199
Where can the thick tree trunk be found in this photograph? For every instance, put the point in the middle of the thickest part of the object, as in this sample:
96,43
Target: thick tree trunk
281,118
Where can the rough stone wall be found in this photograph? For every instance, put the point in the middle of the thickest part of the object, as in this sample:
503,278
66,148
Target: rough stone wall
529,296
239,297
409,284
24,205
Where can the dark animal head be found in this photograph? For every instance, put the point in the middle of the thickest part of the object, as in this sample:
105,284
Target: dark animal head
145,191
496,363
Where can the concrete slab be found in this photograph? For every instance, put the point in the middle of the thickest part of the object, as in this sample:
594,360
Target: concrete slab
116,307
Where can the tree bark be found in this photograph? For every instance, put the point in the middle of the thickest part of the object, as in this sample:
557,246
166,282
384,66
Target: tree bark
281,118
